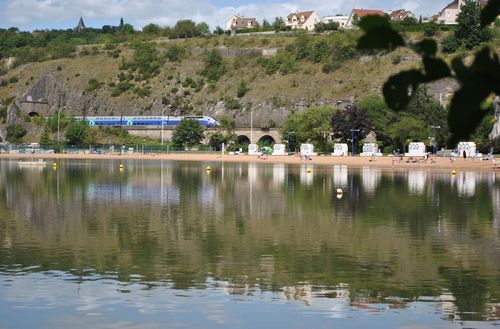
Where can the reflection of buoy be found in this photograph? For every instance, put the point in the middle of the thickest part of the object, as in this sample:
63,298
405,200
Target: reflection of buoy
208,168
453,172
339,196
54,165
339,191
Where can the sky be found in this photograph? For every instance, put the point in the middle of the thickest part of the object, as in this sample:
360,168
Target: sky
55,14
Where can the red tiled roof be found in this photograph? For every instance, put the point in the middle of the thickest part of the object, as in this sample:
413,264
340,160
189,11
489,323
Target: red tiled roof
365,12
298,14
399,15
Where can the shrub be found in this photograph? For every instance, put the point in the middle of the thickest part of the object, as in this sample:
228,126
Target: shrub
15,133
451,44
242,89
13,80
232,104
121,87
94,84
330,67
215,67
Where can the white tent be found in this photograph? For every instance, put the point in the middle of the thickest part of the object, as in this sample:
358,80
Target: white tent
279,149
253,149
307,149
370,149
468,147
340,149
416,149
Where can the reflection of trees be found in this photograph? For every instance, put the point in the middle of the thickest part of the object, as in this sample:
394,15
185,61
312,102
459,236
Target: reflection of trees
261,226
469,290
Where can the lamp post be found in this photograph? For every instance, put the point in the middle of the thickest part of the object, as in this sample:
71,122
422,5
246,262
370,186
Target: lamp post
434,138
58,116
352,140
162,123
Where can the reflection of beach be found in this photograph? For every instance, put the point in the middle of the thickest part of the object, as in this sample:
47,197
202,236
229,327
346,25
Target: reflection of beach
371,176
416,181
466,183
340,176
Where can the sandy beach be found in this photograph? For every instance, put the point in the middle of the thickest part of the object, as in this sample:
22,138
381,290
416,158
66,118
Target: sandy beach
385,162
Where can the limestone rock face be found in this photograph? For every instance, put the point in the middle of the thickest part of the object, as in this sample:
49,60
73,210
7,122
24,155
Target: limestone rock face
496,128
46,95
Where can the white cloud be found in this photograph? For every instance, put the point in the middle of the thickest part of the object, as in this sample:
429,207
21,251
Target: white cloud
48,13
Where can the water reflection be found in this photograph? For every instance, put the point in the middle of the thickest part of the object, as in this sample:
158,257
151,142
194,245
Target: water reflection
248,229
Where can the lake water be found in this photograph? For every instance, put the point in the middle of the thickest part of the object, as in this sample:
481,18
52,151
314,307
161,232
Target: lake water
170,245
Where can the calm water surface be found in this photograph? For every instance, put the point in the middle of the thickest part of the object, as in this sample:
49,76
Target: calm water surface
168,245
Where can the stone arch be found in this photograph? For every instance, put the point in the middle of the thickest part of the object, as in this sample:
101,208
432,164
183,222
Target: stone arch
243,140
267,140
33,114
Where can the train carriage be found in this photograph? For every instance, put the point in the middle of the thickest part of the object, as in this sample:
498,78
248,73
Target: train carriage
153,121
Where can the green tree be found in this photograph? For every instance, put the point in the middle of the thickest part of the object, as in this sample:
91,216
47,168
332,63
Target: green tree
188,133
151,29
408,129
45,136
15,133
225,133
202,29
185,29
379,115
352,117
469,30
127,28
215,67
77,132
312,125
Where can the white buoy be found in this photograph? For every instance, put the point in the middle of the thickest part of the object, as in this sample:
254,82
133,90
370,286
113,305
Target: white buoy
339,191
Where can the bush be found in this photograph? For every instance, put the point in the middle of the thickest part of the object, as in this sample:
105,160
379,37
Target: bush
121,87
330,67
450,44
13,80
232,104
15,133
215,67
175,53
242,89
94,84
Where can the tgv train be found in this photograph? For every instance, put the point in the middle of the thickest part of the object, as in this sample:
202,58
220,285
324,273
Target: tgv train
111,121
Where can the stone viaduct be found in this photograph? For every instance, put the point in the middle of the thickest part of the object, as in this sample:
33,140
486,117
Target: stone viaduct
245,135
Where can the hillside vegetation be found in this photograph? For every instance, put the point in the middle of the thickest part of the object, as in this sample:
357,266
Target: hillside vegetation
145,73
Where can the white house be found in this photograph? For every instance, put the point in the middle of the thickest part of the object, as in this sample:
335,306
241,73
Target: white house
305,20
341,20
448,15
357,14
237,22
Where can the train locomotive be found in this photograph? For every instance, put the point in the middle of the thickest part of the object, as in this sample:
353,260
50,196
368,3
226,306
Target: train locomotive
131,121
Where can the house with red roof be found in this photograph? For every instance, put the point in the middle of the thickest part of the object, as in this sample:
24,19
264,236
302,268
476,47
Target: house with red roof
305,20
357,14
237,22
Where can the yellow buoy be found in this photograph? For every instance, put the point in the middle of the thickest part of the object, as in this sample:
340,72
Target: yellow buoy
208,168
121,166
54,165
453,172
309,170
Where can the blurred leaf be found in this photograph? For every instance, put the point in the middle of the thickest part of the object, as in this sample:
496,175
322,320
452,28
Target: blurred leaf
399,88
435,69
426,47
379,34
478,83
490,12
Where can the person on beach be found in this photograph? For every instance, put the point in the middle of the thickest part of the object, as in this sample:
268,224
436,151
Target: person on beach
465,154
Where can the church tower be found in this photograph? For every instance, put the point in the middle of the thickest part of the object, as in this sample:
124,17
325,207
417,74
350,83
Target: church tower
81,26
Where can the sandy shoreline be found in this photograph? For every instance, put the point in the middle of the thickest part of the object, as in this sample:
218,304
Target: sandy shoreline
385,162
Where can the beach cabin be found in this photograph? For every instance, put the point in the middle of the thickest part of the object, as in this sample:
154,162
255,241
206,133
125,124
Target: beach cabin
370,149
468,147
307,149
279,149
253,149
416,149
340,150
